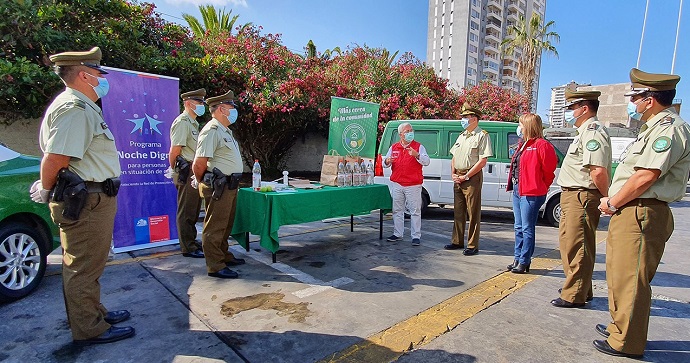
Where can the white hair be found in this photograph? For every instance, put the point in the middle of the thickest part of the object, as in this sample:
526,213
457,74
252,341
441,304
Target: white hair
402,126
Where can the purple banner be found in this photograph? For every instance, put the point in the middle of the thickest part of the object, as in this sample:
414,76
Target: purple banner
139,110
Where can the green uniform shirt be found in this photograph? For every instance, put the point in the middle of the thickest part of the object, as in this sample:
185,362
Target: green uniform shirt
591,147
470,147
663,144
217,144
185,132
73,126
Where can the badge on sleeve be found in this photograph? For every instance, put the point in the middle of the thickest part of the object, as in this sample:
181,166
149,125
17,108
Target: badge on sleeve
593,145
661,144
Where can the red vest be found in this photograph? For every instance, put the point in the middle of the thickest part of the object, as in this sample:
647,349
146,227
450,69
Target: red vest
406,169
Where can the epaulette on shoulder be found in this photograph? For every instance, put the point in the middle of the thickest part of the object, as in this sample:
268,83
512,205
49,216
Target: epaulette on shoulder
593,127
485,132
667,121
214,127
75,103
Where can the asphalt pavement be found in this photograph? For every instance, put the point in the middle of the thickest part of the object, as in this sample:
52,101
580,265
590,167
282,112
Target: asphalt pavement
341,296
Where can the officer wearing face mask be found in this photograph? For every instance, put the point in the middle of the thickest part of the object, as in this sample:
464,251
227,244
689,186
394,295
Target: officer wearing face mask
217,166
79,155
584,180
184,133
470,152
652,173
406,159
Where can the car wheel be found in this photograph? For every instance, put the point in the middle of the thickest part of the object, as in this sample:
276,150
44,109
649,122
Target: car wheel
552,212
23,260
425,202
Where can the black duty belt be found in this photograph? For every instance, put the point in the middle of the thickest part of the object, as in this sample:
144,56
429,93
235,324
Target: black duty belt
94,187
568,189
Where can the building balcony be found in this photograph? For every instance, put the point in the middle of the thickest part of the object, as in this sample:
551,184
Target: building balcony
493,25
490,71
491,51
510,66
497,3
495,37
513,5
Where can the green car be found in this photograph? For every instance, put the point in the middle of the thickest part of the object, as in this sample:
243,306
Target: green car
27,233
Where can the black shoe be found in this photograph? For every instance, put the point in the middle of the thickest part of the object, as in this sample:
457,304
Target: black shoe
587,300
604,347
453,246
513,265
560,303
236,262
393,238
117,316
520,269
195,254
225,273
470,251
601,329
111,335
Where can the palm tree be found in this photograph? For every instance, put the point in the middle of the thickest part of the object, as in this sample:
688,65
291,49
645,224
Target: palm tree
214,22
529,41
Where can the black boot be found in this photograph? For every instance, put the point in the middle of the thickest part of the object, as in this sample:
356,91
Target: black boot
513,265
520,269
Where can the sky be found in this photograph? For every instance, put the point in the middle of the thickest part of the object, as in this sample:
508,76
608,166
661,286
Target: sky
599,42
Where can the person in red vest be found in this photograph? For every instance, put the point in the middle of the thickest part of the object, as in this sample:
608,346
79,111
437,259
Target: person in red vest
406,159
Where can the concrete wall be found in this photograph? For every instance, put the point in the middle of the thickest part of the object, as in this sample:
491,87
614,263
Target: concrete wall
306,155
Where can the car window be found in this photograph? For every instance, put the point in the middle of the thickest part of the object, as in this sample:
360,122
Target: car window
7,154
428,138
513,140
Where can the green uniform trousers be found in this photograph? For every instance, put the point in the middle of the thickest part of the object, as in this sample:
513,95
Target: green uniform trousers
637,236
467,202
85,244
188,207
577,229
220,215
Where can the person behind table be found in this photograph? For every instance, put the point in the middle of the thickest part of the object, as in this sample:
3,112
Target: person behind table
184,134
470,153
652,173
584,179
532,170
77,144
406,159
217,148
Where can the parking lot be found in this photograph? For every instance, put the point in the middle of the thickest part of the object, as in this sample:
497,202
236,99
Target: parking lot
342,296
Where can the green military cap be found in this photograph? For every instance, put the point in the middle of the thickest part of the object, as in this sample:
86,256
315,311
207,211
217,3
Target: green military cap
227,98
645,82
90,58
196,95
467,110
573,97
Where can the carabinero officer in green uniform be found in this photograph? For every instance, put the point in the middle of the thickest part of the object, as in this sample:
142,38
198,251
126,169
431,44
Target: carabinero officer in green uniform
80,178
584,179
184,133
218,167
653,172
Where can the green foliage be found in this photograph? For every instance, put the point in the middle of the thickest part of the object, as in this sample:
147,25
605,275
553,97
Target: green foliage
32,82
214,22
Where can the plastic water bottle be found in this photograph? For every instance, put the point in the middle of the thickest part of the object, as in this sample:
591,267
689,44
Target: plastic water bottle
348,175
356,175
341,174
256,175
370,174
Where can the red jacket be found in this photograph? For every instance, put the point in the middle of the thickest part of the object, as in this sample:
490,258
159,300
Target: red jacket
537,165
406,170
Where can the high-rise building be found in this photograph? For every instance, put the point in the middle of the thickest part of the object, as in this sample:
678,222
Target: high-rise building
556,111
464,41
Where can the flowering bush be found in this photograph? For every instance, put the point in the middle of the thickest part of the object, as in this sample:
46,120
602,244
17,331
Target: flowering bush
496,103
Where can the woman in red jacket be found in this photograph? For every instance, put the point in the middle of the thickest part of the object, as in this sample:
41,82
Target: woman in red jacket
531,174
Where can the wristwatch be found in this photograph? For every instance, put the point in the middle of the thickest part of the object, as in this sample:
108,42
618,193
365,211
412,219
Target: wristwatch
611,207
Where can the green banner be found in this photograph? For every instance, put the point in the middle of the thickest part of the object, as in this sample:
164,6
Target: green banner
353,126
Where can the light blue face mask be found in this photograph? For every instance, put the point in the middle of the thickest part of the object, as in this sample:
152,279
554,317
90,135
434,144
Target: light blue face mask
102,88
199,110
465,122
409,136
232,116
518,131
632,111
569,116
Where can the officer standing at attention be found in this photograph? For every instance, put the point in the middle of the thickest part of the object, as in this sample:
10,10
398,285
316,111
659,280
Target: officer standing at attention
653,172
79,177
184,133
584,180
470,152
217,159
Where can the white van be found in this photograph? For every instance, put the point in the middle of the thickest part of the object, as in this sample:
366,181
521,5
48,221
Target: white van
438,136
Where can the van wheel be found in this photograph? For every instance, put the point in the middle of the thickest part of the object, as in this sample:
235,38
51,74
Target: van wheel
425,202
23,260
552,212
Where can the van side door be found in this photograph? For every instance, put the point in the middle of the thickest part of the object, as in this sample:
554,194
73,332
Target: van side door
509,148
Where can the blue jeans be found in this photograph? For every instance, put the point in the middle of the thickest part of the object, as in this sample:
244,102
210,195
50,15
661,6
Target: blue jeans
526,212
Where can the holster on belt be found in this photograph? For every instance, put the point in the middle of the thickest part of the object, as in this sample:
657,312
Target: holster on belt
111,186
218,183
71,190
183,167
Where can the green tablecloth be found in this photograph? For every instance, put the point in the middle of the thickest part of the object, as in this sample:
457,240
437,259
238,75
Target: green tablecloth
263,213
